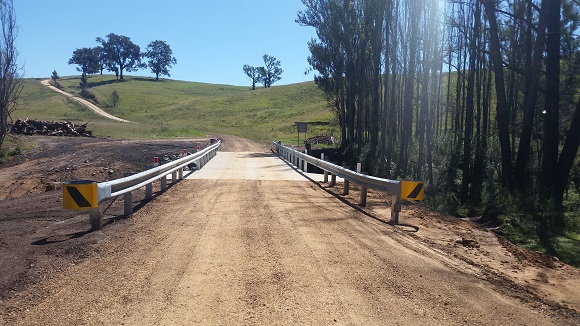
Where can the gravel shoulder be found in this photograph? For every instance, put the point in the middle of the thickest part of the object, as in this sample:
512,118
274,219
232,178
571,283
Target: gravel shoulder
262,252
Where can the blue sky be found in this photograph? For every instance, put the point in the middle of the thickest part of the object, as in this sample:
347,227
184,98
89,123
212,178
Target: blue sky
211,39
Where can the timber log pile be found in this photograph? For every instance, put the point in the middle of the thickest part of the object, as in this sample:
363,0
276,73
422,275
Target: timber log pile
50,128
322,139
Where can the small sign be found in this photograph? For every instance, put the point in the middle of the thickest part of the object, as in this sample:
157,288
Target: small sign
302,126
412,190
80,195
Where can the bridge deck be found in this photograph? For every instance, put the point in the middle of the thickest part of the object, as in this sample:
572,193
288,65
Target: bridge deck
251,166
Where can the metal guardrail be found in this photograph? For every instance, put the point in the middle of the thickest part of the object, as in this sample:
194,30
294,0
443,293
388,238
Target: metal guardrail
393,187
89,195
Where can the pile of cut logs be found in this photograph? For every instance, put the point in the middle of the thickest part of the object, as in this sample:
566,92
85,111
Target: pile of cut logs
50,128
322,139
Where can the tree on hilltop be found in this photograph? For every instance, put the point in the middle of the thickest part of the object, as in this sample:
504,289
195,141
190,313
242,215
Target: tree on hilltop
121,53
254,74
160,58
87,60
101,58
271,71
267,75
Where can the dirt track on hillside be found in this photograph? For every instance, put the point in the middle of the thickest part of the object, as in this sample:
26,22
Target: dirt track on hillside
82,101
285,252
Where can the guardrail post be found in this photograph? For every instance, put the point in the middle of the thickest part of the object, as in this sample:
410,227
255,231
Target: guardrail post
128,203
149,191
363,190
180,174
346,188
395,209
305,162
332,180
163,183
325,172
173,176
363,197
96,218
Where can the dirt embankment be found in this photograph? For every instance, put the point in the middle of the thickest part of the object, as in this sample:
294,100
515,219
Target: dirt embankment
256,252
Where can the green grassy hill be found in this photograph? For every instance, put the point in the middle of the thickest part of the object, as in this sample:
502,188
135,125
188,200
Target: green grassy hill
170,108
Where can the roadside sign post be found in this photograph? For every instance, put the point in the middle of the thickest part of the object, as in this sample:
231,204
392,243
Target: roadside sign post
301,127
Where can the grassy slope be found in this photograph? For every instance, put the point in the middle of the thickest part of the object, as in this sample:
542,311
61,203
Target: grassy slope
170,108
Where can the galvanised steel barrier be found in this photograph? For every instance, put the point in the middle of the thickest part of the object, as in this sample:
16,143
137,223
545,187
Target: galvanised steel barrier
406,189
90,195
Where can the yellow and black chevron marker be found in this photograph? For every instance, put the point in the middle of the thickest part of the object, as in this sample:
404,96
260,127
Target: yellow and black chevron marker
412,190
80,195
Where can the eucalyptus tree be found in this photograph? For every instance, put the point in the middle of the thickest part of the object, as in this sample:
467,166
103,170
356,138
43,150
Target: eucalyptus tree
87,59
253,73
271,71
160,58
121,54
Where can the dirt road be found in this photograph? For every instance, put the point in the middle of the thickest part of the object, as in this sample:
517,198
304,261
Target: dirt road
240,251
84,102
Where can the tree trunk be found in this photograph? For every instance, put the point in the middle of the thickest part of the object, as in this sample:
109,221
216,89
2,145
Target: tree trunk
407,131
392,124
385,118
551,118
502,112
469,107
376,86
530,100
567,156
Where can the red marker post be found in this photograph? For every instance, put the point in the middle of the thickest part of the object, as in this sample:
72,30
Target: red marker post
156,161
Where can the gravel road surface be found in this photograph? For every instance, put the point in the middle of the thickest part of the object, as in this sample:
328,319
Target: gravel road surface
232,246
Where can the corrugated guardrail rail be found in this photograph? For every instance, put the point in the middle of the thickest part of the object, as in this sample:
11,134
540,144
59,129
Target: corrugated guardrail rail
90,195
406,189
